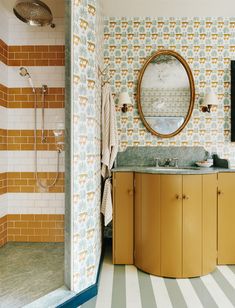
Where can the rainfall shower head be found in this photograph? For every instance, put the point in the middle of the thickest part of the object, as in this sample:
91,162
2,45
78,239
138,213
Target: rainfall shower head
33,12
24,72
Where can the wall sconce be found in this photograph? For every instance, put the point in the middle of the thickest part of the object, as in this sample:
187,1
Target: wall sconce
210,100
124,100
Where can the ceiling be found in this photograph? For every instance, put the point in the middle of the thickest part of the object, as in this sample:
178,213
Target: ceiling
56,6
167,8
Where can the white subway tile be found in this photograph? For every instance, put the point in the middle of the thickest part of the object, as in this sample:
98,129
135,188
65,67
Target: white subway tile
34,203
4,28
22,34
53,76
3,74
23,161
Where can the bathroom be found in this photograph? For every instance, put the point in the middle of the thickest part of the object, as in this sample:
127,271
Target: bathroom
94,44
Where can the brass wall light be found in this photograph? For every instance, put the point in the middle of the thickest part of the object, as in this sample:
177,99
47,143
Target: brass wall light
124,101
209,101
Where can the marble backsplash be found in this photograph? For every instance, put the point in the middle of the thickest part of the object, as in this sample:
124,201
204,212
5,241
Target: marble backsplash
146,156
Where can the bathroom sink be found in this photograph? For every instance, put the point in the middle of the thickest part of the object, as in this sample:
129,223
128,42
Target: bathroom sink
176,168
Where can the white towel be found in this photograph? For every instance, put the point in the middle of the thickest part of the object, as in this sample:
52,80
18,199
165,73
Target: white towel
109,149
109,131
106,207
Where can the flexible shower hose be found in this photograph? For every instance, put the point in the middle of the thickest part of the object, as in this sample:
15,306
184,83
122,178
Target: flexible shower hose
39,182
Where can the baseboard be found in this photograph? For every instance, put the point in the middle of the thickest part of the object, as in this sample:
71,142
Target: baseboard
86,294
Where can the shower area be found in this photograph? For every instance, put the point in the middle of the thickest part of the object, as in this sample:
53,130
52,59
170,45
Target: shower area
31,149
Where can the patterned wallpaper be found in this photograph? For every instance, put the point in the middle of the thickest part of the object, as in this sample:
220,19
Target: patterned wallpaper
208,45
87,53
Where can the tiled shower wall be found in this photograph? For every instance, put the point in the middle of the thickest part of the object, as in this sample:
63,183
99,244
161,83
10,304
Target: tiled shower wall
208,45
27,213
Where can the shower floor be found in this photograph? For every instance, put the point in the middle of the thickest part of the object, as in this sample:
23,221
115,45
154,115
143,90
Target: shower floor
29,271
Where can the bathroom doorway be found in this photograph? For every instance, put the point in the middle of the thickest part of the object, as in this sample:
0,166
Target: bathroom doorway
32,169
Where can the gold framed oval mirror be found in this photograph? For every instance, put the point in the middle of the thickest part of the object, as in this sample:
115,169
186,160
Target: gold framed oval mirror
165,93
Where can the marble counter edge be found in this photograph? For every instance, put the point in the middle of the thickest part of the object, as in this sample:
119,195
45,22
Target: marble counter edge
154,170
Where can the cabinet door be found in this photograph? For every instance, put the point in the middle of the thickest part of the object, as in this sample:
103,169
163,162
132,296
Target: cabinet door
226,218
171,225
147,222
209,227
192,225
123,218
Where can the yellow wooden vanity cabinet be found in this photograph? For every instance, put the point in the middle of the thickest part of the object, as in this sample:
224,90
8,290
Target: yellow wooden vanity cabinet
174,221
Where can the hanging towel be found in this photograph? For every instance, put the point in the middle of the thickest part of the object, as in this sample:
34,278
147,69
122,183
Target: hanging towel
109,149
109,131
107,207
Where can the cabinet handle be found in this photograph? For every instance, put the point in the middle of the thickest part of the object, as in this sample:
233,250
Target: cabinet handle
178,197
130,192
220,192
185,197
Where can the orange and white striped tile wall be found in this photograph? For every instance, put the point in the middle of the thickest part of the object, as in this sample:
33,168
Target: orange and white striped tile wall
27,212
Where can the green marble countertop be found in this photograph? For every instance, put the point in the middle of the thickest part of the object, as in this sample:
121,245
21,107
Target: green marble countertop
166,170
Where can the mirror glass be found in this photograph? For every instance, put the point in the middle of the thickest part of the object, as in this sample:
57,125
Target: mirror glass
165,93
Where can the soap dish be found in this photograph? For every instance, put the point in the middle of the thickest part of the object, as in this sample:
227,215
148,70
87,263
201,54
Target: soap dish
204,164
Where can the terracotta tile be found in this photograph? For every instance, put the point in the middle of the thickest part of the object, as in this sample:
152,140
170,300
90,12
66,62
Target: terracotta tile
27,217
13,231
14,48
26,231
59,238
49,55
59,225
30,175
48,239
21,224
13,189
21,238
34,238
41,232
14,62
42,48
29,48
21,55
42,217
41,62
56,48
27,147
56,62
28,62
10,238
34,224
13,217
56,232
48,224
35,55
21,97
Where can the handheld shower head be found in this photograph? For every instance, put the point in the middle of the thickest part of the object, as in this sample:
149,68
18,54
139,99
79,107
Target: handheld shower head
24,72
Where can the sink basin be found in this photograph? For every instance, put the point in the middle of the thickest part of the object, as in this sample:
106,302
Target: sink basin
176,168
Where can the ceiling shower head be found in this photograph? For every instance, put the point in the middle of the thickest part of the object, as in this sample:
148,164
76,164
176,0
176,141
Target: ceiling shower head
33,12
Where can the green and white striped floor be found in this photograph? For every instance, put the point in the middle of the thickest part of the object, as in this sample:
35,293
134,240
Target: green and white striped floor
127,287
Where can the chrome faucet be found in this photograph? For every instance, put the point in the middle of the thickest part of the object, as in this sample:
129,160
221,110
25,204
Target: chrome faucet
167,162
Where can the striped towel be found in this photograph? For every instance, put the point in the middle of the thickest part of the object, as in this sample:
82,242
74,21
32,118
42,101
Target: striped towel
107,207
109,131
109,149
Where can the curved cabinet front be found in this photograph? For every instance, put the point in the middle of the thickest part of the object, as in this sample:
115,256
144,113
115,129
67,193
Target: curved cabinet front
175,224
